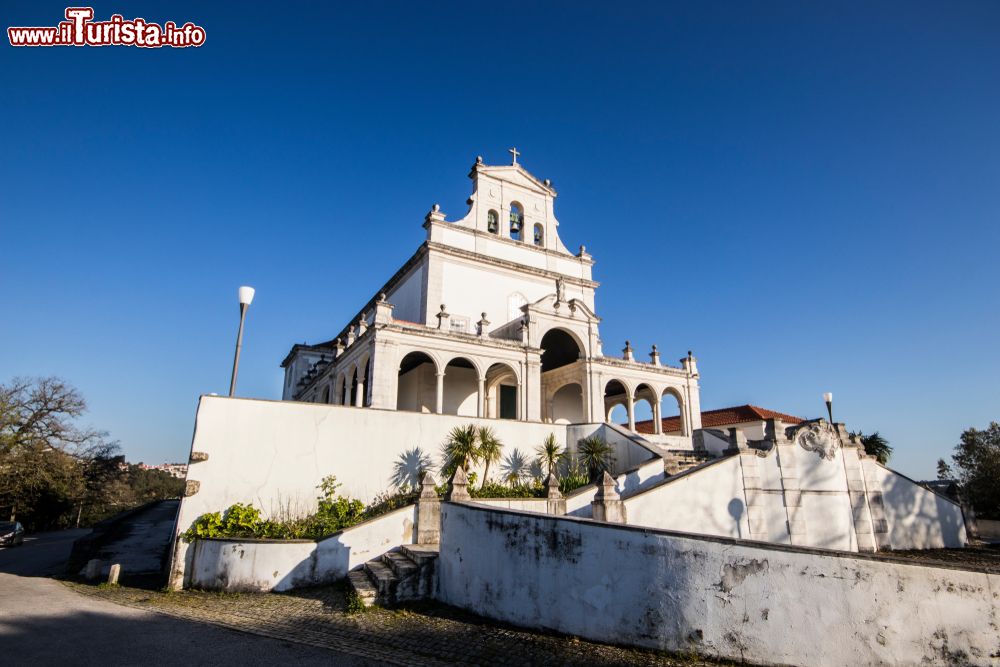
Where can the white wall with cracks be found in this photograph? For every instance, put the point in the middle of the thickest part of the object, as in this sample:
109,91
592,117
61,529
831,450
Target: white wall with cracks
760,603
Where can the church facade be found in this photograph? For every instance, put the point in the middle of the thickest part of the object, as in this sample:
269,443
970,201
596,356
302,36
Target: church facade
492,317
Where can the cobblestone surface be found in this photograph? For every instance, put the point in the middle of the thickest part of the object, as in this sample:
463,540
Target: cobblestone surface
421,634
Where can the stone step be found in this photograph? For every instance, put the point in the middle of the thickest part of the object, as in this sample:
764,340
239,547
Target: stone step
362,585
421,554
382,578
401,565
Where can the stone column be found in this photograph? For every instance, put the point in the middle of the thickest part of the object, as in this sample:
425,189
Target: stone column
630,406
439,405
657,418
428,512
359,396
607,504
480,398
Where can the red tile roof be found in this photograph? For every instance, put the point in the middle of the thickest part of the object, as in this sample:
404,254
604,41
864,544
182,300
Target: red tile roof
740,414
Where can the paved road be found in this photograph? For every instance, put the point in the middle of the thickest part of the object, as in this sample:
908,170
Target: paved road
43,622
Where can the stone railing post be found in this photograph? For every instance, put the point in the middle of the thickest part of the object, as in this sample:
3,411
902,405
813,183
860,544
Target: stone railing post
607,504
428,512
555,503
458,487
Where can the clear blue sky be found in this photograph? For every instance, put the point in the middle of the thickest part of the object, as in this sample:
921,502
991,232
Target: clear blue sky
805,194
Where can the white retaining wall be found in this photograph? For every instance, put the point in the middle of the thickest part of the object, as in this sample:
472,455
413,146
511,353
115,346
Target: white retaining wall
753,497
763,604
234,565
274,454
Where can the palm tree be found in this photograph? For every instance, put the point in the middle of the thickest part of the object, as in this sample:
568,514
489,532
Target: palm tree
460,449
875,445
596,455
550,453
490,448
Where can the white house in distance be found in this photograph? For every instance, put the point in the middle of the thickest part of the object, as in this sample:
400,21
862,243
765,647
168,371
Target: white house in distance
491,317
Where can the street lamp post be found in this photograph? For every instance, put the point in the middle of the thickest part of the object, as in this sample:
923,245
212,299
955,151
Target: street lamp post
828,398
246,296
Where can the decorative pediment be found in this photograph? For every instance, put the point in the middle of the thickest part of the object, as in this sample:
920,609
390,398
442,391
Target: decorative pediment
817,436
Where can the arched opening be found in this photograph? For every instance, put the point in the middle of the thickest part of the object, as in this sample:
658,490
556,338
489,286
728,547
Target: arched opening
516,221
539,235
559,349
502,399
416,387
644,408
616,394
353,394
567,405
366,393
493,222
461,388
672,408
618,414
325,398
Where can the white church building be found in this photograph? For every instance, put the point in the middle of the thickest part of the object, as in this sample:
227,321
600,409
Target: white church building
727,532
493,317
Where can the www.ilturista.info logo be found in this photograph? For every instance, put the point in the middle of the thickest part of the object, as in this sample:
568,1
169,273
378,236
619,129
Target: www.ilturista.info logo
79,29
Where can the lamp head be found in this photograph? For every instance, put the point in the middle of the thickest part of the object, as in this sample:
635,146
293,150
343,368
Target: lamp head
246,295
828,397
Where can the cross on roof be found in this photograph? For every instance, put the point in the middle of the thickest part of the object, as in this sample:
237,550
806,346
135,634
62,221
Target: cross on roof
515,153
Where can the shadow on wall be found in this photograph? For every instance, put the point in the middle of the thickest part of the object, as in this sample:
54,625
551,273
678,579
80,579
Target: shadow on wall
736,510
919,518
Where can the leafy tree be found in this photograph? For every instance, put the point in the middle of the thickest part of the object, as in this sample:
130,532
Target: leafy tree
460,449
977,464
944,471
596,455
550,453
876,445
54,473
489,450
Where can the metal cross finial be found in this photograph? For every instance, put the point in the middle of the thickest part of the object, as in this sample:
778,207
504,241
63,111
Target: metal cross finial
515,153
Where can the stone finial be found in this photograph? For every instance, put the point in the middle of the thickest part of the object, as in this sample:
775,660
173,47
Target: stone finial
383,310
458,486
607,504
479,159
627,353
606,488
654,356
435,214
483,325
552,486
443,318
427,485
351,336
362,325
338,347
690,364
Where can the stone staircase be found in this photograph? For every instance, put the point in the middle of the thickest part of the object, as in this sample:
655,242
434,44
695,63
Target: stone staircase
397,576
676,461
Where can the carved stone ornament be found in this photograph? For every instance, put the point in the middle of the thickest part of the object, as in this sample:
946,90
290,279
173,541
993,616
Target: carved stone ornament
818,437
